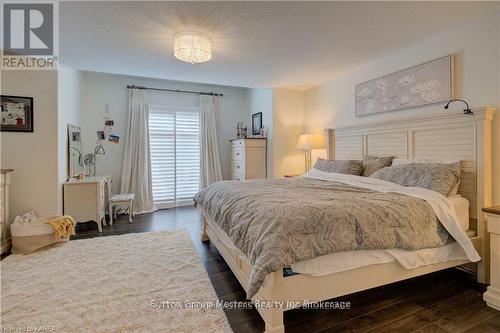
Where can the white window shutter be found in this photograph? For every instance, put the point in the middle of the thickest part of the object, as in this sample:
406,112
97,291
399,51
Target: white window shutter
175,155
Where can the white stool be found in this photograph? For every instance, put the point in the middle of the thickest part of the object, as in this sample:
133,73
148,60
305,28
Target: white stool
121,200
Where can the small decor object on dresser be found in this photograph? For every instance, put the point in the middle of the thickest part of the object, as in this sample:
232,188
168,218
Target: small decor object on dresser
241,130
16,113
423,84
257,123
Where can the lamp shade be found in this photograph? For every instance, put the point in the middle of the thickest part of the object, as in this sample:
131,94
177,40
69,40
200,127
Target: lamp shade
310,141
192,47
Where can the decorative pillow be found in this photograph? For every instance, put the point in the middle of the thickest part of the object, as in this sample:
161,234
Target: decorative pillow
437,177
350,167
399,161
374,163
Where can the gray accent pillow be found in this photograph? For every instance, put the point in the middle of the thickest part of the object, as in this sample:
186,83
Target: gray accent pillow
374,163
350,167
437,177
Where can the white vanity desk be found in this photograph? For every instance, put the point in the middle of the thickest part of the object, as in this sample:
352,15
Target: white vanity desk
86,199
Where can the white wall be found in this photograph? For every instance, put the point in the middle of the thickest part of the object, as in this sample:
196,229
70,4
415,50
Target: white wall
34,156
477,50
288,124
70,82
100,89
261,100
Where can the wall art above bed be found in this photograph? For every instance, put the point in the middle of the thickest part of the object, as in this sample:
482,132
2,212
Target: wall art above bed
427,83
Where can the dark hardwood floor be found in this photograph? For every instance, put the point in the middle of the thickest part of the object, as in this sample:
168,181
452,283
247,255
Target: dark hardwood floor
447,301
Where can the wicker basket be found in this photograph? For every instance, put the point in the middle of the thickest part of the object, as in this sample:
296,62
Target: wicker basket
29,238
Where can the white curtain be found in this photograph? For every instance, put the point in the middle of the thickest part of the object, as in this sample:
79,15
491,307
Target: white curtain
210,171
136,167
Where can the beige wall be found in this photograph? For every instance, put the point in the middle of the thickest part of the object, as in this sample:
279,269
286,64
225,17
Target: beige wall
34,156
288,123
477,70
283,116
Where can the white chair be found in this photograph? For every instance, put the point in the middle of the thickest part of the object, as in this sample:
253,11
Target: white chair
126,200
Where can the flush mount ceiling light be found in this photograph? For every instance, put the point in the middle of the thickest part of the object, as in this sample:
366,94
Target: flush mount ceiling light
192,47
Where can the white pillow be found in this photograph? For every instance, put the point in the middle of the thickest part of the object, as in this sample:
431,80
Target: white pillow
399,161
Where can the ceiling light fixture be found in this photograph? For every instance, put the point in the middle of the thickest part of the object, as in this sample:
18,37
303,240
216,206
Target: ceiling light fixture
192,47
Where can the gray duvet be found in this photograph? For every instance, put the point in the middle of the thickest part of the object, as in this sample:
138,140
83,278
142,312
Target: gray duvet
282,221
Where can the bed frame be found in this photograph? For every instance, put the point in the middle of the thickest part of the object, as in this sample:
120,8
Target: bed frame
446,135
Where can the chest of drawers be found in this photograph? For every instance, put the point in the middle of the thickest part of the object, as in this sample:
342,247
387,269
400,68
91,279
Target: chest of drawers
249,159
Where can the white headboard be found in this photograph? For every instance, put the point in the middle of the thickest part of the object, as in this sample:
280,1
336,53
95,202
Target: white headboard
445,136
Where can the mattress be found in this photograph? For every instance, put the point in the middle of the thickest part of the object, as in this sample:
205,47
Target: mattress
347,260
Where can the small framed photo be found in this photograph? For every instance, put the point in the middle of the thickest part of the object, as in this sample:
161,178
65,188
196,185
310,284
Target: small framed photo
16,113
75,136
101,135
109,122
256,123
114,138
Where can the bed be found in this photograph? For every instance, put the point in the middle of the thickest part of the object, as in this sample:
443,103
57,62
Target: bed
451,136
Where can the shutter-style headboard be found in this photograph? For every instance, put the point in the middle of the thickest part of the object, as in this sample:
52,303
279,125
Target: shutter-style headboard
443,137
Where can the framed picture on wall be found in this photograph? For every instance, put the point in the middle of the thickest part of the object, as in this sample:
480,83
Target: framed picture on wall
256,123
16,113
427,83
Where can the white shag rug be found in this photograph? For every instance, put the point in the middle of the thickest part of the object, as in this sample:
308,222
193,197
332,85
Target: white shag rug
129,283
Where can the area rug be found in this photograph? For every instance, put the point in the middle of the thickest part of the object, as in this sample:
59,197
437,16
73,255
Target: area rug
149,282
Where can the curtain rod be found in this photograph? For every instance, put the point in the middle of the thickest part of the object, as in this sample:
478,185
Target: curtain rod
132,86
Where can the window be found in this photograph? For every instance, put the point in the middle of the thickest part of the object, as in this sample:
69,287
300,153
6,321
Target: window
174,135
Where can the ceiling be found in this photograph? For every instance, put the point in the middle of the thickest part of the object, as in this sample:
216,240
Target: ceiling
255,44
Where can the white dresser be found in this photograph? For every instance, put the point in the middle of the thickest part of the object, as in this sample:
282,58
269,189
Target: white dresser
4,209
249,159
86,199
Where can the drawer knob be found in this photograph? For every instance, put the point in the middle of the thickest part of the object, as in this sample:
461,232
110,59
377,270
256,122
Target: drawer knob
237,154
237,167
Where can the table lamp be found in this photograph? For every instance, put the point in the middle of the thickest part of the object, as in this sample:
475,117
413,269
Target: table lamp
307,142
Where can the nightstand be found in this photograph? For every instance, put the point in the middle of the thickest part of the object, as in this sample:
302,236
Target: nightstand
492,294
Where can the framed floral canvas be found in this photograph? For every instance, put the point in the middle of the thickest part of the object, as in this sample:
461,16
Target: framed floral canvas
423,84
